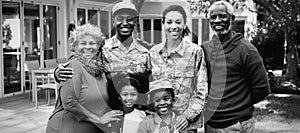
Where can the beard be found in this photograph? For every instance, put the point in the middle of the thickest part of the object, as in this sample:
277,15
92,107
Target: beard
223,28
223,32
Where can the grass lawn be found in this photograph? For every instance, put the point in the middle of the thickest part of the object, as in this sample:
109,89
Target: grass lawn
278,113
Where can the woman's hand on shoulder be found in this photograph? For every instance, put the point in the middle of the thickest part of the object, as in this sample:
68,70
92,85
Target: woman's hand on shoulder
109,116
142,114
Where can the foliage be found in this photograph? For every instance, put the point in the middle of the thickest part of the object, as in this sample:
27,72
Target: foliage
269,40
7,33
284,15
278,19
280,13
202,6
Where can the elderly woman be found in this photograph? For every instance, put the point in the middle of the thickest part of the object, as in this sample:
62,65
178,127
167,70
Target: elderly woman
183,63
82,106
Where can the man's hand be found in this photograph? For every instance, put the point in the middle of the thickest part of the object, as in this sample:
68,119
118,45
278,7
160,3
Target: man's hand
181,123
62,73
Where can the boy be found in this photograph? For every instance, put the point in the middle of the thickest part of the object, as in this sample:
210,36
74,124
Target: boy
161,98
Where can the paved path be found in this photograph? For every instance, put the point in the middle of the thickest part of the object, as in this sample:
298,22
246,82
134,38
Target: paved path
20,116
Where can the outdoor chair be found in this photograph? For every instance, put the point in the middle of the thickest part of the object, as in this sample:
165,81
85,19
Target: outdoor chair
29,67
49,85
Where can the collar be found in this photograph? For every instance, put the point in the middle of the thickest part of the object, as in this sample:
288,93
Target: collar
158,120
134,45
179,50
115,42
216,41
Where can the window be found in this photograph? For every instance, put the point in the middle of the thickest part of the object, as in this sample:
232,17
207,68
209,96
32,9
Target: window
152,30
93,17
157,31
81,16
104,22
147,30
195,30
90,14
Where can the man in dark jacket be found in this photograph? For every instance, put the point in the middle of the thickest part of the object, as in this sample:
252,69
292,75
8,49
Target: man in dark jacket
238,78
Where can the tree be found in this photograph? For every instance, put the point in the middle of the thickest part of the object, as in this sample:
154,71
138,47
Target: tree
201,6
286,15
281,15
7,34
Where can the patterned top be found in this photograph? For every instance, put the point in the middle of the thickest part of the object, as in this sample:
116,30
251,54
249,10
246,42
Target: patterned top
133,60
187,70
153,124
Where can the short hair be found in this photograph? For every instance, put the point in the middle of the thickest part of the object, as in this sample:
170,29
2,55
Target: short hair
179,9
71,28
151,94
82,31
228,6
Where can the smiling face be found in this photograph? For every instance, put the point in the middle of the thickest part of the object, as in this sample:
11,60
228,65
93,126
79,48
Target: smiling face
128,96
87,46
220,20
163,102
174,25
124,23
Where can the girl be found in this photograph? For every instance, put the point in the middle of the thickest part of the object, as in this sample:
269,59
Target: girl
128,96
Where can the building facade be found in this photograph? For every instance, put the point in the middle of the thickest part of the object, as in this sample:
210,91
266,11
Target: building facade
38,30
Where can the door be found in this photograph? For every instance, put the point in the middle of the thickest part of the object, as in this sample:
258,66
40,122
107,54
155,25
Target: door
11,46
29,33
40,35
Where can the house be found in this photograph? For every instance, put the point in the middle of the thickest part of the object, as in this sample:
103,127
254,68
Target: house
38,30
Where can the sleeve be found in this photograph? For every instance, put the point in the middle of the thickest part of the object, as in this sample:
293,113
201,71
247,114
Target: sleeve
143,127
199,97
55,75
257,77
70,91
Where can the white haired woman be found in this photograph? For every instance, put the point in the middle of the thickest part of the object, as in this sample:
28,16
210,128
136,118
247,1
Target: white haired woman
82,105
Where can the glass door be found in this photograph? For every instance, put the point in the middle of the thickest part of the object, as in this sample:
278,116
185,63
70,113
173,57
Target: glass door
40,37
11,46
32,31
50,42
29,33
31,36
